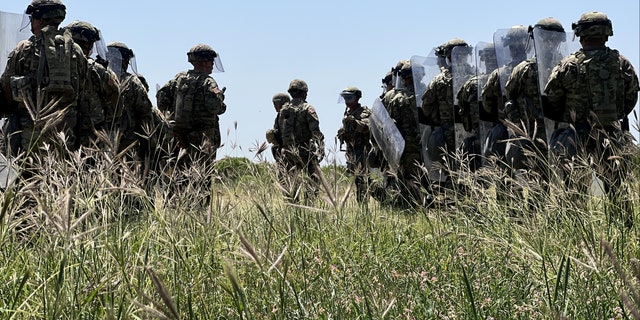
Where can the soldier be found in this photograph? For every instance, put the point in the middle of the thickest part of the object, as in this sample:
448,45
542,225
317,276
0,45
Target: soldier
273,135
437,105
47,69
194,103
514,40
133,111
302,140
402,109
469,104
355,134
523,109
387,83
101,89
595,89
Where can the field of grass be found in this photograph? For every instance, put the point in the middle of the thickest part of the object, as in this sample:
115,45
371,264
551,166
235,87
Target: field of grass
94,242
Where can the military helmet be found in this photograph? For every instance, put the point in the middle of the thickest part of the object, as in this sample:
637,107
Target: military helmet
387,78
124,50
280,98
47,9
447,47
201,52
398,66
83,31
351,91
593,24
298,85
405,70
550,24
516,36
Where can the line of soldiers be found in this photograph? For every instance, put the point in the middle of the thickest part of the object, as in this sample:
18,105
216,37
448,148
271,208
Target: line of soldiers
66,80
528,103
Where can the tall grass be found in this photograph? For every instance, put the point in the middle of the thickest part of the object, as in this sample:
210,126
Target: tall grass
105,239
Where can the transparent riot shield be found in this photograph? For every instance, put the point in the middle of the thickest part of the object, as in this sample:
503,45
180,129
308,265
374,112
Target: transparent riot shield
386,134
114,57
10,34
461,71
424,70
550,48
512,47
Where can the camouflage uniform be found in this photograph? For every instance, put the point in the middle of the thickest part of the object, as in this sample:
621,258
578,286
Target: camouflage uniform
302,140
437,101
594,89
402,109
273,135
469,110
101,89
493,98
133,113
195,102
355,134
37,65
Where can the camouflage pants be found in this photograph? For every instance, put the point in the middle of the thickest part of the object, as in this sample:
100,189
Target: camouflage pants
293,162
32,135
357,166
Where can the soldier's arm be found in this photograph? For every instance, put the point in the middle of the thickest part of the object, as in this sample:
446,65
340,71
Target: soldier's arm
554,99
214,96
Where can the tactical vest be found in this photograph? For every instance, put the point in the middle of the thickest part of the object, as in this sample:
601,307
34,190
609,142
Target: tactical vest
58,75
599,88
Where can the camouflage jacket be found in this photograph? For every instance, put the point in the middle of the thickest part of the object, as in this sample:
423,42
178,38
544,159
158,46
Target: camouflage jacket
65,79
355,128
468,105
402,109
193,100
523,91
595,87
437,100
133,110
98,100
492,92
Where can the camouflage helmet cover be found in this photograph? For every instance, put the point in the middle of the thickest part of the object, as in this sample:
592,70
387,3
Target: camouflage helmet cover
298,85
351,91
124,50
398,66
83,31
405,70
47,9
280,98
516,36
448,46
201,52
550,24
593,24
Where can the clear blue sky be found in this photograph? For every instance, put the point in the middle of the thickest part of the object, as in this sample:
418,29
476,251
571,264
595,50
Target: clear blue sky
329,44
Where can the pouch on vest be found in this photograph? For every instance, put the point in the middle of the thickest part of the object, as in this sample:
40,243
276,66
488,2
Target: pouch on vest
58,49
21,88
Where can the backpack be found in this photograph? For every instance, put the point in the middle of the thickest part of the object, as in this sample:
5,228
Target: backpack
187,86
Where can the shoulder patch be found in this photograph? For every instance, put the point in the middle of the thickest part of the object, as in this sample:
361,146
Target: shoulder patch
312,110
216,90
